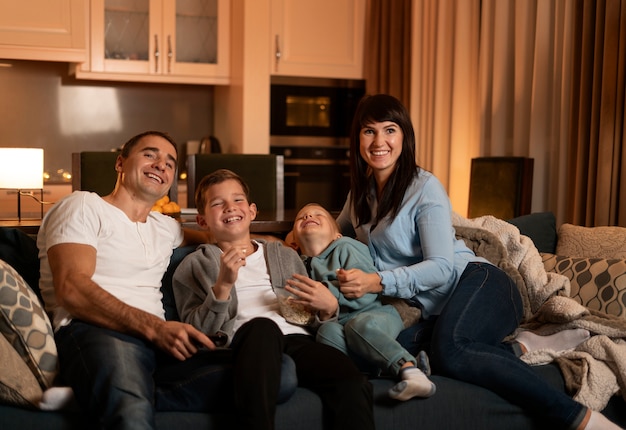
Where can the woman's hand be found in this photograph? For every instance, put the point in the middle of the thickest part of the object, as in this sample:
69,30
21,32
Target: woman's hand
314,295
355,283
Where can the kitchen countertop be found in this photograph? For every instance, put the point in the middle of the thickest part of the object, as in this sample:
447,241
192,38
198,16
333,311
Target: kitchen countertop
273,223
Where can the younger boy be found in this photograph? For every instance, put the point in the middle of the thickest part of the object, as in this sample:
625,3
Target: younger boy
228,288
365,326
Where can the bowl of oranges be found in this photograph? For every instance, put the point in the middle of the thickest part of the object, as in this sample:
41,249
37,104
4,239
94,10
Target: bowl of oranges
167,207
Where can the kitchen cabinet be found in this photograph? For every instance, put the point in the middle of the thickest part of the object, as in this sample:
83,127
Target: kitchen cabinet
321,38
170,41
50,30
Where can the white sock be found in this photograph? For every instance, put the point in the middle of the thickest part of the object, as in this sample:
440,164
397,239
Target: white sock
597,421
566,339
413,384
55,398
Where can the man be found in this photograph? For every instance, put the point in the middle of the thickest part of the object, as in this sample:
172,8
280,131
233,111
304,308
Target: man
102,260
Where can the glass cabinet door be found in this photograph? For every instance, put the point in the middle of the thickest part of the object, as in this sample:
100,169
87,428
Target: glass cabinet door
120,36
126,29
198,27
160,40
196,31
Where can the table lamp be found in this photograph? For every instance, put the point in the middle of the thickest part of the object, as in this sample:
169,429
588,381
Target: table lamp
21,169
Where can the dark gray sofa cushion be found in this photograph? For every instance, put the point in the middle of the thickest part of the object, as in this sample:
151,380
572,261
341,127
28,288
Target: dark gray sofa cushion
20,251
456,405
540,227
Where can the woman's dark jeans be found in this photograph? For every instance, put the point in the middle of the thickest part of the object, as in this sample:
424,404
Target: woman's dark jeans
466,344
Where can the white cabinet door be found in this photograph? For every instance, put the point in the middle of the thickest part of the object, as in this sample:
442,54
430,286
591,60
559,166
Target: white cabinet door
175,41
321,38
52,30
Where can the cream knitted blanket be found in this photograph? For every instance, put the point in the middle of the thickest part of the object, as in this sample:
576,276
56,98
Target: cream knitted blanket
596,369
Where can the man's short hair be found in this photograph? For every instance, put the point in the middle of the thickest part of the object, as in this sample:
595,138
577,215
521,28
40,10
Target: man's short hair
133,141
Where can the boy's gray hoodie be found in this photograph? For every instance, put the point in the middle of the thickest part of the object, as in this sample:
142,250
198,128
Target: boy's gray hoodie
198,272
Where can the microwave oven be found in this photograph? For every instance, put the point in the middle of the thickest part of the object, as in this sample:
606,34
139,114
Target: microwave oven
312,111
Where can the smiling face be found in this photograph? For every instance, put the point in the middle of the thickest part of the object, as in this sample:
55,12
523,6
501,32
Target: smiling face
227,212
149,169
314,229
380,145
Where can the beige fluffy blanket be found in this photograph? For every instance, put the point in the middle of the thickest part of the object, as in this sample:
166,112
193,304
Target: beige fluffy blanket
596,369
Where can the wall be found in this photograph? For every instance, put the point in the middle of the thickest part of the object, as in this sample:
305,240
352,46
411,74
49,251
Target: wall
42,106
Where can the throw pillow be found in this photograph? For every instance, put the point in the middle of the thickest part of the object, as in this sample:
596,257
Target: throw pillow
596,283
540,227
18,385
26,326
591,242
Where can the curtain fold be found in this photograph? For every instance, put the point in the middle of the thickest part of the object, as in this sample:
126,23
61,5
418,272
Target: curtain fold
597,164
444,91
536,78
387,55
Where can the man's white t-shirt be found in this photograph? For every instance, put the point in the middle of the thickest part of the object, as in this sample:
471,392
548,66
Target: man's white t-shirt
131,257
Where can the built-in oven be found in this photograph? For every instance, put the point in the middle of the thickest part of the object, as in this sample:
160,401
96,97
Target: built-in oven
312,111
315,174
310,121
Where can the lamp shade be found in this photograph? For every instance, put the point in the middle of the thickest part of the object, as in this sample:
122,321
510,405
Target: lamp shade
21,168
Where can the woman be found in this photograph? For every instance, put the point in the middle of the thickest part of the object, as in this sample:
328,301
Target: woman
468,305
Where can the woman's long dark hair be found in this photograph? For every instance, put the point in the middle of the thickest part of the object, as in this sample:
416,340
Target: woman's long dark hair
380,108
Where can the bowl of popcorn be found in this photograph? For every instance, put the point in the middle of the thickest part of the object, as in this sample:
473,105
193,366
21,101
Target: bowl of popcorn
294,313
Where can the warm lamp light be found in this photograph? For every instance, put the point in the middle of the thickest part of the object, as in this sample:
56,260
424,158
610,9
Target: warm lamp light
22,169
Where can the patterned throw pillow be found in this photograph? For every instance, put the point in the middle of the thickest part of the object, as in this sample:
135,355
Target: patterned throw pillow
597,283
591,242
18,385
26,326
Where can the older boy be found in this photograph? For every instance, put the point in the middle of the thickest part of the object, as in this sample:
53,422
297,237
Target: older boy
228,288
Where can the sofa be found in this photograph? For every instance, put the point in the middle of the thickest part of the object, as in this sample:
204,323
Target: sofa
27,357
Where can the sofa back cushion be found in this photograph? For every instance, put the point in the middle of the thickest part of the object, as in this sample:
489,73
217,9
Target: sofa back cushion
592,242
20,251
169,303
540,227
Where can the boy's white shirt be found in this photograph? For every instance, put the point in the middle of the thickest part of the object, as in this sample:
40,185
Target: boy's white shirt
256,297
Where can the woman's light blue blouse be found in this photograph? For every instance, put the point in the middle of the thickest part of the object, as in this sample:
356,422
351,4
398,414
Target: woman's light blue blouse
417,254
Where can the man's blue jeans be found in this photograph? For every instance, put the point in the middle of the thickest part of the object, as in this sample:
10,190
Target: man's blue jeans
124,379
467,344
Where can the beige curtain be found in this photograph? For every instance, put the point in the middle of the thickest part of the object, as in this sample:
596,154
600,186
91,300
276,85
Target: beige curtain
445,91
387,55
536,78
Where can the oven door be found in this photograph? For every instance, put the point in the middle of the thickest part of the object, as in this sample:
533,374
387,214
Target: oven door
326,183
303,111
315,174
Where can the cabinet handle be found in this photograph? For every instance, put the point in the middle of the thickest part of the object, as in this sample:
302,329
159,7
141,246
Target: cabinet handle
170,54
156,54
277,53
